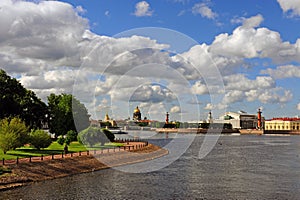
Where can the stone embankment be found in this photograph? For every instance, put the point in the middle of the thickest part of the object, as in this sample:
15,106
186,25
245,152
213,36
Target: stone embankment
27,172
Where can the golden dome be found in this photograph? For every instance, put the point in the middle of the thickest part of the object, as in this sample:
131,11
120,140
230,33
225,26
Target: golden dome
106,118
137,110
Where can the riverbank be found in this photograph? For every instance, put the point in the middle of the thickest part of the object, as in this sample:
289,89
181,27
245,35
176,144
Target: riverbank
26,173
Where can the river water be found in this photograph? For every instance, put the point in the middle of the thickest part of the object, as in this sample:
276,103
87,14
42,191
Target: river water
238,167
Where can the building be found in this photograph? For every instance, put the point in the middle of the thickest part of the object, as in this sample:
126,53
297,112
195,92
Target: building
283,124
239,120
111,122
137,114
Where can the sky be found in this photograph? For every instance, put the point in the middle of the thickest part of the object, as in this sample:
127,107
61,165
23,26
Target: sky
184,57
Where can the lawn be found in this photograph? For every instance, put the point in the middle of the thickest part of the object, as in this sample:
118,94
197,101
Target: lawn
54,148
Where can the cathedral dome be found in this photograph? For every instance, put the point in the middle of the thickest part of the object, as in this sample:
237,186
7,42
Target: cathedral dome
137,110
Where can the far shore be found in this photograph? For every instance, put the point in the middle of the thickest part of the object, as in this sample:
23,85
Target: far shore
26,173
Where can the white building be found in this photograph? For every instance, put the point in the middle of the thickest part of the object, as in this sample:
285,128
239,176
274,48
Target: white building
239,120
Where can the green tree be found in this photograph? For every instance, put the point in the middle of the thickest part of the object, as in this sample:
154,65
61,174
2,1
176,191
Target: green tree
13,134
17,101
34,111
72,135
40,139
92,136
66,113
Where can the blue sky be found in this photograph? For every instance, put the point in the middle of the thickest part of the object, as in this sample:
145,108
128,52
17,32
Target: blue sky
198,56
112,17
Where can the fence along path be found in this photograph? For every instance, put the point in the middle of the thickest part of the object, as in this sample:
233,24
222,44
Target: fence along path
128,145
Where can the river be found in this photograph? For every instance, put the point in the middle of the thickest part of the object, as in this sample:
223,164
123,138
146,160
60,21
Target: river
238,167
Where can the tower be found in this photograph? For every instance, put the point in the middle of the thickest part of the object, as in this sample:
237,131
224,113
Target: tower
259,122
167,118
209,117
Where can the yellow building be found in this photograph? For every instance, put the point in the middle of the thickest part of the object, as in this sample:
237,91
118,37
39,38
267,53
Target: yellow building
283,124
111,121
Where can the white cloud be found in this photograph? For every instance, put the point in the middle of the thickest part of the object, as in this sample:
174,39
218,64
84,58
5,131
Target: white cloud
175,109
80,10
49,46
204,10
234,96
275,95
247,41
298,106
209,106
199,88
30,37
219,106
290,5
240,82
142,9
281,72
253,22
152,93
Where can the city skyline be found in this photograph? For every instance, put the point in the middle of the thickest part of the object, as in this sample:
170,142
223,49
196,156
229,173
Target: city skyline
180,56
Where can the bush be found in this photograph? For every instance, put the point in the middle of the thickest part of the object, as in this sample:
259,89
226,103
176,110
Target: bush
93,135
40,139
13,134
72,136
60,140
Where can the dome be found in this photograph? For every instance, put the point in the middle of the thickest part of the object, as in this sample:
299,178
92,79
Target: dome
137,110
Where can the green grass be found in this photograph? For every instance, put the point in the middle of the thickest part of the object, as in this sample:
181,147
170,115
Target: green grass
54,148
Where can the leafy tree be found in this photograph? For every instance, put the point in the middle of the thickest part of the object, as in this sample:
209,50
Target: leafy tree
92,136
11,93
65,110
40,139
34,111
13,134
17,101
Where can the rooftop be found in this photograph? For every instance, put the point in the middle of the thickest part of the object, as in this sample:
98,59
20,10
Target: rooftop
285,119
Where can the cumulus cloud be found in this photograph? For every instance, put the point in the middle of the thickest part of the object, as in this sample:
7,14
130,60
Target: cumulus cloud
263,88
281,72
152,93
242,83
50,48
199,88
219,106
204,10
253,22
29,35
276,95
290,5
209,106
142,9
175,109
247,41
